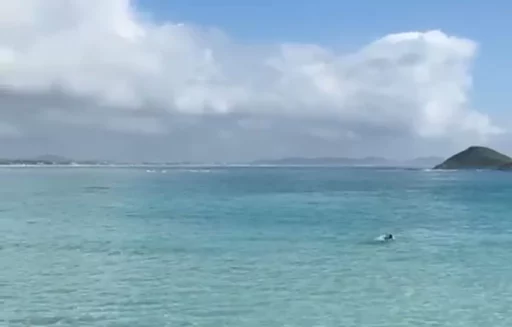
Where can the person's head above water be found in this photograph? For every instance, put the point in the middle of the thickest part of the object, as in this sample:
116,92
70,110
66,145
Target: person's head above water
389,237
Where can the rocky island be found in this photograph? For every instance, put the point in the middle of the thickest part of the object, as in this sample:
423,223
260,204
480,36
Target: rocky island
477,157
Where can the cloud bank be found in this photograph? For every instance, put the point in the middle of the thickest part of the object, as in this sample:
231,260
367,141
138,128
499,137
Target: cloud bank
96,66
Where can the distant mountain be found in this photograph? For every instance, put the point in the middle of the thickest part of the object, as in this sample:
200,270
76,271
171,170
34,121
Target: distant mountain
323,161
477,157
423,161
341,161
52,158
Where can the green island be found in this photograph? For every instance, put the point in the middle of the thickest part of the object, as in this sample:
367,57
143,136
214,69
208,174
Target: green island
477,157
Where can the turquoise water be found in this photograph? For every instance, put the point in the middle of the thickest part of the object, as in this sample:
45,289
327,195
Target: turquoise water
254,247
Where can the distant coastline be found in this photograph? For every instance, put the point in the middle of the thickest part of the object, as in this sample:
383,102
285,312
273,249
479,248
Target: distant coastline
52,160
49,160
342,161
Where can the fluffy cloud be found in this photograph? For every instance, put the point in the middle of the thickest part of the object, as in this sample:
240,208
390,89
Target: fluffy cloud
103,64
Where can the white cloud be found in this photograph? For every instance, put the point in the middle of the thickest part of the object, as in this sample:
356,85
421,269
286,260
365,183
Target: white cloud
126,66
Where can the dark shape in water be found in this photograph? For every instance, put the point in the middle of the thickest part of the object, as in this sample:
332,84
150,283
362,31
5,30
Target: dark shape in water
388,237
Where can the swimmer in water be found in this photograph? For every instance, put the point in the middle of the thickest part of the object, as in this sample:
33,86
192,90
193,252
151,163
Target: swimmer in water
388,237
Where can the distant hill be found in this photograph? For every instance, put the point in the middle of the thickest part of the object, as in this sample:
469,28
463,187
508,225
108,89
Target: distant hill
52,158
423,162
322,161
341,161
477,157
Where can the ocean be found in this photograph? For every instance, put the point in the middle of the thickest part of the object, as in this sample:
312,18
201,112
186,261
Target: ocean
254,247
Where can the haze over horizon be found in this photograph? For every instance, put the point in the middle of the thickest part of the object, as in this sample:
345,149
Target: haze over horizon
187,81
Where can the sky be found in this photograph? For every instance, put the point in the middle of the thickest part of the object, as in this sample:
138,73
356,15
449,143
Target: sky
227,80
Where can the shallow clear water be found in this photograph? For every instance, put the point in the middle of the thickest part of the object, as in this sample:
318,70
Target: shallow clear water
254,247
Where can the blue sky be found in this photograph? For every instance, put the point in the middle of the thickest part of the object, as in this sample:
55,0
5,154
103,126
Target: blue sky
351,24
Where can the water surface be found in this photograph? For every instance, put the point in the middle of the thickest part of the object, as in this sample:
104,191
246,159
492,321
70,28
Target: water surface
254,247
